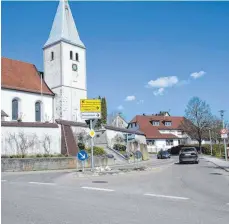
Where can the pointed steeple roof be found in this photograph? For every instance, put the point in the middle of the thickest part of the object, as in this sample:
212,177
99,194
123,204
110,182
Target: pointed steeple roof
64,27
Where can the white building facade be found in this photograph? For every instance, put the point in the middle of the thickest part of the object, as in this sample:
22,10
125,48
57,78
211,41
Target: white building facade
29,96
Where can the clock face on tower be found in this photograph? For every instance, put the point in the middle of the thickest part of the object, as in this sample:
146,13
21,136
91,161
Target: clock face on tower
74,67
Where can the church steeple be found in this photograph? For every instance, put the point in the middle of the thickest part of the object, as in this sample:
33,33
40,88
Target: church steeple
64,28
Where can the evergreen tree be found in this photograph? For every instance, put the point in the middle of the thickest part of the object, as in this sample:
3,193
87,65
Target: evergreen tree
104,111
103,119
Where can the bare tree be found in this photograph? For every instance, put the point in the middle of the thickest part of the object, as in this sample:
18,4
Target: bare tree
216,126
197,120
22,142
119,139
82,137
46,143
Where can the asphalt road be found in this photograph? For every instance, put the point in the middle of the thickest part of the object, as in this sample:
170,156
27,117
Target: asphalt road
172,193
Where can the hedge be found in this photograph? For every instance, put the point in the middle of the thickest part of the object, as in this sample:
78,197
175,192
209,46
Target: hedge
97,151
32,156
217,150
119,147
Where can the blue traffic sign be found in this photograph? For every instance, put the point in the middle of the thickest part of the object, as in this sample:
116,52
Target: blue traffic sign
82,155
138,154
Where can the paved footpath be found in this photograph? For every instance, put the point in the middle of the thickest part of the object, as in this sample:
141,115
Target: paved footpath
218,162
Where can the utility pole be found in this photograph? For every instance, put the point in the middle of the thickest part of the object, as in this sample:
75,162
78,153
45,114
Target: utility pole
224,140
210,140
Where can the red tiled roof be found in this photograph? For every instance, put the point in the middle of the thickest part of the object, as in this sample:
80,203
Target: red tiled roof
153,131
22,76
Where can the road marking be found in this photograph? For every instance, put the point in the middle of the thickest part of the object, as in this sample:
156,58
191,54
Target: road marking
41,183
227,204
97,189
166,196
3,180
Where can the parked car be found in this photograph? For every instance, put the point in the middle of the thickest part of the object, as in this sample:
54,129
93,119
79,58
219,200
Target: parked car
188,154
163,155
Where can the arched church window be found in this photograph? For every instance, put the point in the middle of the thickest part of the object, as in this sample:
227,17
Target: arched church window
38,111
77,57
15,105
52,56
71,55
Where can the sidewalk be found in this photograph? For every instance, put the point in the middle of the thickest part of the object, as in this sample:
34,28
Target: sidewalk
218,162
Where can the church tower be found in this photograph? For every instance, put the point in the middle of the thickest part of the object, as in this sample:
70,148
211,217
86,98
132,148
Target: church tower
65,65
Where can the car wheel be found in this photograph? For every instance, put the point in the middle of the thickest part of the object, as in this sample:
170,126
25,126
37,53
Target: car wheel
197,162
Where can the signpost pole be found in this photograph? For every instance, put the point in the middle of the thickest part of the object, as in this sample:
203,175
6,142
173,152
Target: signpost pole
210,140
83,166
92,144
224,142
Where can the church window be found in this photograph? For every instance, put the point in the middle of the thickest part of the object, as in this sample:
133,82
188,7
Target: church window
38,111
70,55
15,105
77,57
52,56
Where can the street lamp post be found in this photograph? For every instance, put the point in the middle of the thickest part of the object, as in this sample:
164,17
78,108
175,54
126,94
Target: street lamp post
224,140
210,140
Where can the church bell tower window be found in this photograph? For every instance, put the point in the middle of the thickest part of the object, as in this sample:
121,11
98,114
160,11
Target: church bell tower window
52,56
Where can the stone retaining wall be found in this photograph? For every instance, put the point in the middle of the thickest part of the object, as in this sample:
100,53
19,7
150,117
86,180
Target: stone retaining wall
33,164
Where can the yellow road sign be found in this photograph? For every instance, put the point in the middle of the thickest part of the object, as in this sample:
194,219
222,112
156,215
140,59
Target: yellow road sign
92,133
90,106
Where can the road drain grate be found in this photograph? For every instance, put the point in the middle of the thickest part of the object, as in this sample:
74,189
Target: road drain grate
99,182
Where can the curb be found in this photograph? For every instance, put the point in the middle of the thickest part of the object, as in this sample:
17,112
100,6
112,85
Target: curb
221,167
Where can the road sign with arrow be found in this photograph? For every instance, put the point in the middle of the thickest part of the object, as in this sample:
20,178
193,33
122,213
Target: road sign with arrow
90,109
82,155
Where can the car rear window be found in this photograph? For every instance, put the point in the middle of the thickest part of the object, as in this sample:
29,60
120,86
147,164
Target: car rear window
188,150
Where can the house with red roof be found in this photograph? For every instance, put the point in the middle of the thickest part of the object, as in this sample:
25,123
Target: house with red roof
162,131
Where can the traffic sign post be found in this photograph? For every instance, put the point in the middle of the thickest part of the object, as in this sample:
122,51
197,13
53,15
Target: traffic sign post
90,110
82,156
224,136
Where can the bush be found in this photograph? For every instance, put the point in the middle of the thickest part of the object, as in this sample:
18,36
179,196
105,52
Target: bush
119,147
97,151
81,146
217,150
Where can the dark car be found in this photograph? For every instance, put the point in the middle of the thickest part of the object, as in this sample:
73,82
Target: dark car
188,154
163,155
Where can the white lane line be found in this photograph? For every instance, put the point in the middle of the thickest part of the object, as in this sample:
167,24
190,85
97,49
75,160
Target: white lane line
3,180
166,196
97,189
42,183
227,204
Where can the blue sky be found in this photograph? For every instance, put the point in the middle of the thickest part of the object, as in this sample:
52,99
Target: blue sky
144,50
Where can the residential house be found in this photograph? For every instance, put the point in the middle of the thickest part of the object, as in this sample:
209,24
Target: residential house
162,131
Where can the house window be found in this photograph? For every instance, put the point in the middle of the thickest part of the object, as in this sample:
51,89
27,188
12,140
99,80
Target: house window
15,110
150,142
77,57
168,123
52,56
71,55
156,123
169,142
38,111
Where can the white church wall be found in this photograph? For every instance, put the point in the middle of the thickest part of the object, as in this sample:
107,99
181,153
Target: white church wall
52,68
27,104
37,137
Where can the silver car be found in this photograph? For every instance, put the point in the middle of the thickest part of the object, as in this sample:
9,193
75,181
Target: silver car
188,154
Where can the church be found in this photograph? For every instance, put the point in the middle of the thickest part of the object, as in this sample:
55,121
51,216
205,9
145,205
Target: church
29,95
